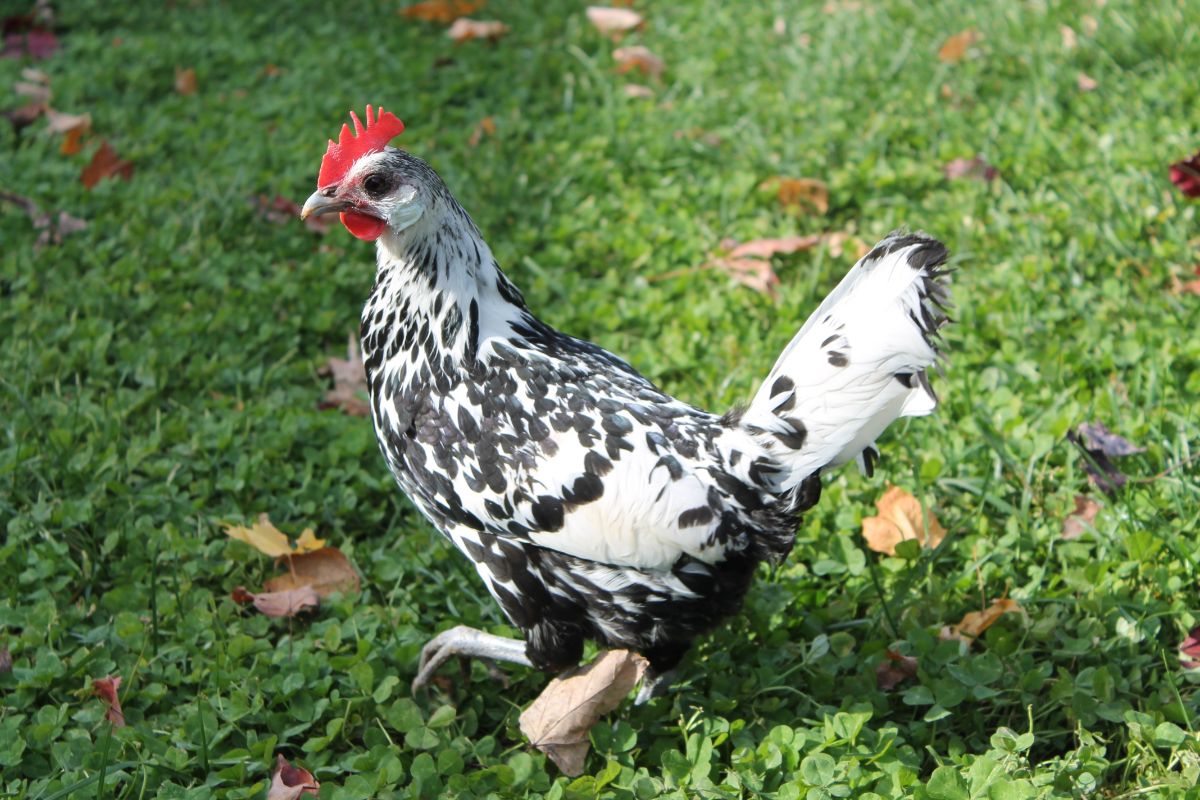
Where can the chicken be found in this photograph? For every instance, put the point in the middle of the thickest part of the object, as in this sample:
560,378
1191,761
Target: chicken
593,504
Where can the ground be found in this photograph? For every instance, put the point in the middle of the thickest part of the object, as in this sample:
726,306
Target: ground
159,377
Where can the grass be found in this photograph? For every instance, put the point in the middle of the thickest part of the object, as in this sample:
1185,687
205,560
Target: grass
159,374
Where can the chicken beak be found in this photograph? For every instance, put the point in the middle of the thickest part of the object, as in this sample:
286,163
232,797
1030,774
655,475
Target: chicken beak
319,203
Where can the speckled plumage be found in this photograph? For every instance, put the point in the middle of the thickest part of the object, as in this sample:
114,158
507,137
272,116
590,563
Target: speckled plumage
592,504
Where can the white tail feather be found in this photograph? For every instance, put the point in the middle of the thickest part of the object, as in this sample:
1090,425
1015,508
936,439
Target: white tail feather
857,364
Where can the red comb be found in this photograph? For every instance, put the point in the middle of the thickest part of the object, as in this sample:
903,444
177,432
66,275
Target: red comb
350,147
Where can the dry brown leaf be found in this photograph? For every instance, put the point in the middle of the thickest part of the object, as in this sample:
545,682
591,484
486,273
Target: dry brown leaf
636,91
1186,287
279,604
23,116
185,81
486,127
444,11
955,47
1081,518
53,228
749,263
106,690
894,670
974,623
765,248
1069,40
66,123
326,571
465,29
1086,83
105,164
799,194
976,167
262,536
639,58
308,542
613,21
72,143
349,392
289,783
900,518
558,721
35,91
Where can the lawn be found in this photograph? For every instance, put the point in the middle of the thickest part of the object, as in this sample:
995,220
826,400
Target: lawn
160,377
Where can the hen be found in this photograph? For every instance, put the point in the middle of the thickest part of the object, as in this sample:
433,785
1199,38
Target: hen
593,504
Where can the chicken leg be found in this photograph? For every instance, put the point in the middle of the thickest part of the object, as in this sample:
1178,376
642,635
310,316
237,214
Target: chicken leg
470,643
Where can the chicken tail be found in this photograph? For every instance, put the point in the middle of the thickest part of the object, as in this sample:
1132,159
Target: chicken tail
857,364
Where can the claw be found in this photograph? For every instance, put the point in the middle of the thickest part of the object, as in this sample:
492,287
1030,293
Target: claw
466,643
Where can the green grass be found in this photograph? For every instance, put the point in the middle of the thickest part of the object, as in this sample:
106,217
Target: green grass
158,375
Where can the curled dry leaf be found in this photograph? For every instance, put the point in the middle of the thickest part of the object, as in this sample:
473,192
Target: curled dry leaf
325,571
349,392
23,116
53,227
1086,83
799,194
106,690
443,11
105,164
263,536
465,29
977,168
1189,650
289,782
1100,446
974,623
900,518
749,263
1186,175
636,91
955,48
639,58
558,721
1082,518
185,81
279,604
486,127
613,21
894,670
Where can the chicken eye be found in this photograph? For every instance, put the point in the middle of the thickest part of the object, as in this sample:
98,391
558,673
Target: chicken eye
375,184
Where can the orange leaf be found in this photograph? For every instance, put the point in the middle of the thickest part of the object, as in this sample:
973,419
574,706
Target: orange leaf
974,623
955,48
288,782
1086,83
325,571
464,29
639,58
263,536
799,194
613,21
106,690
444,11
185,81
105,164
894,670
900,518
486,127
1082,518
70,143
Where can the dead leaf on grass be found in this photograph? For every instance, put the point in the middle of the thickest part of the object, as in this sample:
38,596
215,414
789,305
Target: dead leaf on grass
279,604
1186,175
1086,83
105,164
955,48
1100,446
289,782
901,518
636,91
1187,287
443,11
185,81
894,670
799,195
639,58
23,116
464,29
749,263
976,168
1069,39
327,571
263,536
1081,518
558,721
53,227
614,22
974,623
106,690
486,127
1189,650
36,91
349,392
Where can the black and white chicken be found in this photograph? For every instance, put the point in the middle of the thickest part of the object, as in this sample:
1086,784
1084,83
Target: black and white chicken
593,504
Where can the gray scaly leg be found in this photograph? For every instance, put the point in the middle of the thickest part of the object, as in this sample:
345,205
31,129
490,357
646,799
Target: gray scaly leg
469,643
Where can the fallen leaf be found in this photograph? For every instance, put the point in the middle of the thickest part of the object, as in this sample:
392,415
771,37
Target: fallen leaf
36,92
955,47
1189,650
1102,445
326,571
976,167
279,604
613,21
465,29
105,164
106,690
1069,40
558,721
765,248
974,623
799,194
901,518
308,542
444,11
185,81
65,123
894,670
1089,24
262,536
1086,83
749,263
1082,518
23,116
639,58
779,26
486,127
1186,175
636,91
1187,287
288,782
349,392
53,228
5,660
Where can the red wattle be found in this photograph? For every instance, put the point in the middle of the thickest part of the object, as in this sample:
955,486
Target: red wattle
365,227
